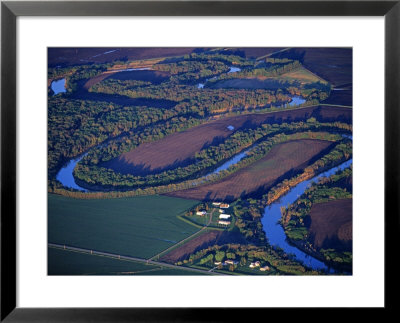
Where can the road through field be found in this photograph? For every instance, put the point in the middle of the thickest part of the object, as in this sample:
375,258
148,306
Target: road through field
115,256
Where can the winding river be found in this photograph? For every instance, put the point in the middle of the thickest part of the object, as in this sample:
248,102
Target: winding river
272,214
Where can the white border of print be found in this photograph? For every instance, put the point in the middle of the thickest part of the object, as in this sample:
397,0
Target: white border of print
364,288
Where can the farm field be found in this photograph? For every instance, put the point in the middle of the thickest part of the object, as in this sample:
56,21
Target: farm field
73,56
63,262
202,241
180,148
139,226
331,224
341,97
300,76
282,159
332,64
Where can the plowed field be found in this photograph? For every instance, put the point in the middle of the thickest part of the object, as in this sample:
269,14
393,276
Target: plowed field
180,148
331,224
282,161
202,241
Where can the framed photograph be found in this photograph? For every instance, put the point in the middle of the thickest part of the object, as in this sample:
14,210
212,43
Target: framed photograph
164,158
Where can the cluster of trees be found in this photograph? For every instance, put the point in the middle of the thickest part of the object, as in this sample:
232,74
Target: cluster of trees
270,70
226,57
190,71
243,255
213,100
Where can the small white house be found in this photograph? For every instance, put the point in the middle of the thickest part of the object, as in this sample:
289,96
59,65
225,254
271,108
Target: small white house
216,203
201,213
224,216
224,222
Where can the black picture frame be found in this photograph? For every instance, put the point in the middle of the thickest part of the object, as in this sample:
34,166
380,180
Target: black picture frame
10,10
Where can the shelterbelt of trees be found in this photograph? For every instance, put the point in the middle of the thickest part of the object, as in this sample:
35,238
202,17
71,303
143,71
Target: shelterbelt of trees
90,172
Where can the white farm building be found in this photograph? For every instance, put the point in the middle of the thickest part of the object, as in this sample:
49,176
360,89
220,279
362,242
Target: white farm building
224,222
224,216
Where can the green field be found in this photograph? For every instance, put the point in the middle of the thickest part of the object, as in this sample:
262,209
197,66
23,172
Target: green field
138,226
64,262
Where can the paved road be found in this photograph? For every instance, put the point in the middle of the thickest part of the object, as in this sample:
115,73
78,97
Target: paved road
113,255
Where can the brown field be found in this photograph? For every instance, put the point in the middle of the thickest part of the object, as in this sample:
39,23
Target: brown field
202,241
331,224
281,162
74,56
180,148
303,75
255,52
340,97
300,75
332,64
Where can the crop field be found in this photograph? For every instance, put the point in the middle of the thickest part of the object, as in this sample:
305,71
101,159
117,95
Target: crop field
138,226
331,224
302,75
332,64
255,52
340,97
64,262
202,241
73,56
283,159
299,76
180,148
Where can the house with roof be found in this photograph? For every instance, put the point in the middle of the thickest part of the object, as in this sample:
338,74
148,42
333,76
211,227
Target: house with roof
224,216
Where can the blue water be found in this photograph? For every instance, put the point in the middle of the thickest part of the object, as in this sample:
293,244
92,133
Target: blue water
65,176
234,160
234,69
272,214
58,86
296,100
